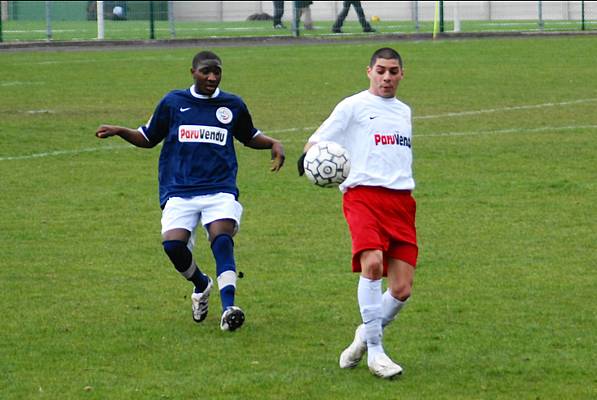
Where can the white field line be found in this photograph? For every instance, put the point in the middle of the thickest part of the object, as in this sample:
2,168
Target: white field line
91,60
501,109
445,115
18,83
506,131
39,30
63,152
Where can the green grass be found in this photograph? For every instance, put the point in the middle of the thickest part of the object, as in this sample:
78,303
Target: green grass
15,31
504,304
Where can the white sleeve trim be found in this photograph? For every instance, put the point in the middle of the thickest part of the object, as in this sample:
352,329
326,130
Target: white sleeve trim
140,129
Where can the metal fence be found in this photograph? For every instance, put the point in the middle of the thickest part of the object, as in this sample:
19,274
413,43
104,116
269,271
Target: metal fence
26,21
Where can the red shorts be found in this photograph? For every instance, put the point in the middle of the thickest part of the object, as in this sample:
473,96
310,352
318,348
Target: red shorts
381,219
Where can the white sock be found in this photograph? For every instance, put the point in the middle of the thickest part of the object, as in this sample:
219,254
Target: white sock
370,304
390,307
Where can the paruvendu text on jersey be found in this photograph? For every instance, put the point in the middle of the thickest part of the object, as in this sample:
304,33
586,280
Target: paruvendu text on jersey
197,131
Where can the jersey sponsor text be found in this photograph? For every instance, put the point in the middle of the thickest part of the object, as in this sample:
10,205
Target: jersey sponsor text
202,134
395,139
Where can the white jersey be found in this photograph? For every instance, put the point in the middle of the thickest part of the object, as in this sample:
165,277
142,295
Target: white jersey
377,132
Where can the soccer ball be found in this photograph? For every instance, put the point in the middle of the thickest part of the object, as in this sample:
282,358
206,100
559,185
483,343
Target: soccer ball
327,164
118,11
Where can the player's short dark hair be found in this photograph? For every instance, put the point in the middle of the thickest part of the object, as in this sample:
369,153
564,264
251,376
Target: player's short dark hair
206,57
387,53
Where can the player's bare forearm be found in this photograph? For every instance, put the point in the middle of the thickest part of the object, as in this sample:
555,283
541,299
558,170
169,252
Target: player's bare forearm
265,142
262,141
132,136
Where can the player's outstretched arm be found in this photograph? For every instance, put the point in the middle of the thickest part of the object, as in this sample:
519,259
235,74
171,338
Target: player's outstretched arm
262,141
132,136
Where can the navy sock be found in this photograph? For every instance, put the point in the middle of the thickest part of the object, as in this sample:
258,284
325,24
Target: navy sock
222,248
200,280
182,258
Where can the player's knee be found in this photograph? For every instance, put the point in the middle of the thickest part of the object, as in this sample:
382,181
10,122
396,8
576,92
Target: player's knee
401,291
178,253
372,264
373,259
222,243
173,247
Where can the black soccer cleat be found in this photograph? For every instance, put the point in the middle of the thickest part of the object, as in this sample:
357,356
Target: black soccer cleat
232,319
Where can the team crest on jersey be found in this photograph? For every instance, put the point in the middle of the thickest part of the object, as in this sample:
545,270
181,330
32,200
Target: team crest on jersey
202,134
224,115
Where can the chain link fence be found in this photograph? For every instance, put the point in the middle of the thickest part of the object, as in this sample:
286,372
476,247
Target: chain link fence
30,21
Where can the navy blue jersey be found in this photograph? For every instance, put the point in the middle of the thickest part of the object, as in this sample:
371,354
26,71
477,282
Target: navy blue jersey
198,156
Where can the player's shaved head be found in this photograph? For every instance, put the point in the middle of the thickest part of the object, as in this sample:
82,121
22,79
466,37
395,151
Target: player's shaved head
387,53
206,59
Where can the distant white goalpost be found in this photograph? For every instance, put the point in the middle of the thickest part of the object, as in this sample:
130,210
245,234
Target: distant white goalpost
100,20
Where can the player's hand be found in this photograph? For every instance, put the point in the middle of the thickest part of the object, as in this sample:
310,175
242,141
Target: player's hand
105,131
300,164
278,157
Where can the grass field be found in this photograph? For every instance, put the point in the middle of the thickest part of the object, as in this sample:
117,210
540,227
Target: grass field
504,304
14,31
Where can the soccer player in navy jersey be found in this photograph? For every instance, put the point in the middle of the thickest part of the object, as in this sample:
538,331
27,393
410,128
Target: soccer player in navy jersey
197,177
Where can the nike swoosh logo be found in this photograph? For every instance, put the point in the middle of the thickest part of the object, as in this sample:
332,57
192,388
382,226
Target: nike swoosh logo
373,117
184,109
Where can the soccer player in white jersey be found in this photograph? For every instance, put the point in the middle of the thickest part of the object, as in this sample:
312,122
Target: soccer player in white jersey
376,129
197,177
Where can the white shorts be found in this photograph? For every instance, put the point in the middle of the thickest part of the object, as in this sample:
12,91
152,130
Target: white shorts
186,213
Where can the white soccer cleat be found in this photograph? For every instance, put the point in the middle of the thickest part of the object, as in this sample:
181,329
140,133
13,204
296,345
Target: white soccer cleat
232,319
384,367
200,302
351,356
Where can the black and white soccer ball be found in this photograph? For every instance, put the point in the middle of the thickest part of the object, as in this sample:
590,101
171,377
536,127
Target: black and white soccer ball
327,164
